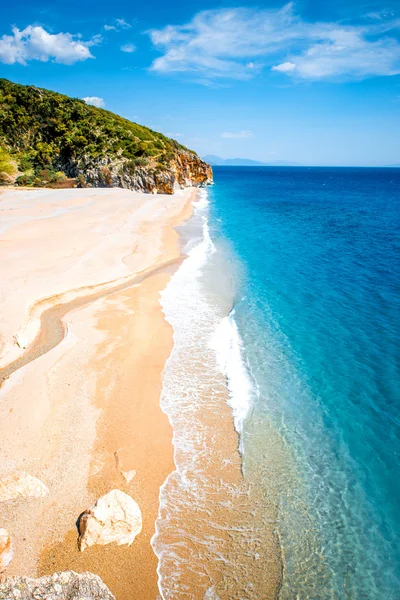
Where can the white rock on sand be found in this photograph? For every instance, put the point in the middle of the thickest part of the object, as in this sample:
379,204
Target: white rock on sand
20,484
20,341
60,586
6,550
115,517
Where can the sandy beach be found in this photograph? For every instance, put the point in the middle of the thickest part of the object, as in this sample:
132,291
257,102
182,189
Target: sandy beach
83,343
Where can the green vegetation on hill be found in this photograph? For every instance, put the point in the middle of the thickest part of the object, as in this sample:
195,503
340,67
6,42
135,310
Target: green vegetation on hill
8,167
50,136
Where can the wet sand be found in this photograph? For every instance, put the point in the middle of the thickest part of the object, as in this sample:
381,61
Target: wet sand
88,384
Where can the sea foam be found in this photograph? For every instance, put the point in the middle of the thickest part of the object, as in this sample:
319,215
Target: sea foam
207,515
228,346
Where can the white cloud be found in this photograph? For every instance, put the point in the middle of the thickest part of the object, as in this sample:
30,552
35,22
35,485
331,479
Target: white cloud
95,40
123,24
35,43
356,58
94,101
117,24
238,134
285,67
380,14
239,42
128,48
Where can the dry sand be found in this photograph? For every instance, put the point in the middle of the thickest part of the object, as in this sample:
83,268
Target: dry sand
81,272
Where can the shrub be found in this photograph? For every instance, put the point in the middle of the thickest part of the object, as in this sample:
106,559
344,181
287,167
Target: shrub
26,180
131,165
8,167
81,181
41,178
25,164
106,176
63,184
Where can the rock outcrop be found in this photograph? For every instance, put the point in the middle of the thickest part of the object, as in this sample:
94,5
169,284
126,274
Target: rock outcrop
115,517
6,550
60,586
19,484
185,169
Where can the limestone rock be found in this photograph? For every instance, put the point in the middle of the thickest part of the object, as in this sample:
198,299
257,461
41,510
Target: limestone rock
184,169
115,517
20,341
6,550
20,484
60,586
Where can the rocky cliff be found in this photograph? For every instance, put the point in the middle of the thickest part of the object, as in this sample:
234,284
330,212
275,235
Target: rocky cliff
183,170
51,137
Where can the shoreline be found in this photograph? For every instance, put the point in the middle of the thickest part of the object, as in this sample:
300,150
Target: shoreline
209,514
125,326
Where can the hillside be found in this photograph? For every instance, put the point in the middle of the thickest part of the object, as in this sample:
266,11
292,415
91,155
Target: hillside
50,137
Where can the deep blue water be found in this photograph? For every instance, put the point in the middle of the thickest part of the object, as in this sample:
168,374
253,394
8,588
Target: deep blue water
318,310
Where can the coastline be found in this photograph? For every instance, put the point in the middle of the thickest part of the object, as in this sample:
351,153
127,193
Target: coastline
210,515
87,415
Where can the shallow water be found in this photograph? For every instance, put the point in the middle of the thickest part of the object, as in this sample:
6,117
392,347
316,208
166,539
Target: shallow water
318,314
212,537
286,320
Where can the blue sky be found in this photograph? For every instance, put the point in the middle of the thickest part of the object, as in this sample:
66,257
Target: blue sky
313,82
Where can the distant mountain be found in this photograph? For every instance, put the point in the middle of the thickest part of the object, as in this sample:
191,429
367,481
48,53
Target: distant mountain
211,159
245,162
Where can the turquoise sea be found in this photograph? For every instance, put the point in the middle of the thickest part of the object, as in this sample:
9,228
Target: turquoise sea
300,268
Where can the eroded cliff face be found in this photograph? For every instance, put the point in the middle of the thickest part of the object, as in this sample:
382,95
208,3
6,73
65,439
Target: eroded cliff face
183,170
